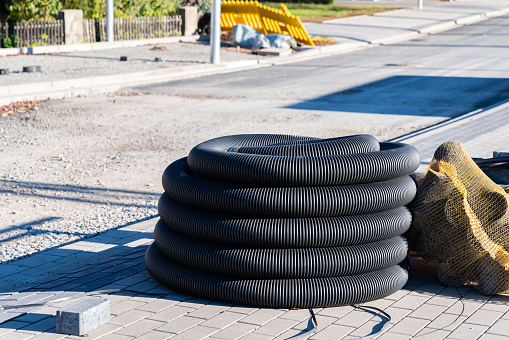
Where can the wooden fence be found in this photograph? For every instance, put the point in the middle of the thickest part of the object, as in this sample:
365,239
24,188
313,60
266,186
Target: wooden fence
30,33
37,33
133,28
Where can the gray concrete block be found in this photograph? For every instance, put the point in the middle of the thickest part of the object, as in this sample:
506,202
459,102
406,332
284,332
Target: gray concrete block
73,25
189,15
83,316
501,153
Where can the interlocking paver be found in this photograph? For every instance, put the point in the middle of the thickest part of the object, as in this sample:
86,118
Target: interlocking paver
332,332
16,335
276,327
298,315
140,327
289,334
355,318
33,317
468,331
243,309
130,317
115,336
409,326
207,311
49,336
398,295
158,305
235,331
124,306
427,311
441,300
484,317
262,316
336,311
488,336
432,334
322,321
154,335
11,326
500,327
170,313
397,314
179,325
410,301
197,332
393,336
447,321
223,320
497,303
464,307
103,331
253,336
42,325
370,328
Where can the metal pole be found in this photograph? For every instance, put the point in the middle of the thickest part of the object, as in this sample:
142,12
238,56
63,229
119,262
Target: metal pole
215,32
420,4
109,21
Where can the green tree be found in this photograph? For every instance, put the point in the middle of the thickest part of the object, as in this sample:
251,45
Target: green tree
30,10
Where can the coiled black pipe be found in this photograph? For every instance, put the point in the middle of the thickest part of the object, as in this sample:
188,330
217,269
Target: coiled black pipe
183,186
357,163
280,263
285,221
278,293
283,232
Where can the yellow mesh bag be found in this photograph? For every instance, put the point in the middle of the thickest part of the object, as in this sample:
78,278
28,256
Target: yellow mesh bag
461,222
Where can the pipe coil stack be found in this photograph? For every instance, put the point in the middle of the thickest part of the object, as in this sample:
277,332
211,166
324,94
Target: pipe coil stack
285,221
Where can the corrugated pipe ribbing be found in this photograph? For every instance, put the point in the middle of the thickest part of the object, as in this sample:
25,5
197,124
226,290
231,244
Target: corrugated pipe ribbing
285,221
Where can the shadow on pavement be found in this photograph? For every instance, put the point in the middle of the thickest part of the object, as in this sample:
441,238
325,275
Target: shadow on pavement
415,96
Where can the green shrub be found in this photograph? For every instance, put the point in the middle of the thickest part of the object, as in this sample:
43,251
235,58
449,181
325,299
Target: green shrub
29,10
23,10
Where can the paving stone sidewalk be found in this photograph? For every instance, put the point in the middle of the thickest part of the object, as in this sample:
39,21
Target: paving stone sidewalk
111,265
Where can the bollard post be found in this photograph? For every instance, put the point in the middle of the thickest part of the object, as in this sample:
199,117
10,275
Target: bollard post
109,21
420,4
215,32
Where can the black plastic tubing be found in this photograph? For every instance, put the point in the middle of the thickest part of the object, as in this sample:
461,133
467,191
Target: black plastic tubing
279,293
181,185
318,162
280,263
281,232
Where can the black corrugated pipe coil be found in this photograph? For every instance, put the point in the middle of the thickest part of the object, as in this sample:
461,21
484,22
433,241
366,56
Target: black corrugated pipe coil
286,221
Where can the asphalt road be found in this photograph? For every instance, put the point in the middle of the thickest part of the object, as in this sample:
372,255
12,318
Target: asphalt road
395,87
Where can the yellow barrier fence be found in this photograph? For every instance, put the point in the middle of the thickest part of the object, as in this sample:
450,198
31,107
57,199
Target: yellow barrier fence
264,19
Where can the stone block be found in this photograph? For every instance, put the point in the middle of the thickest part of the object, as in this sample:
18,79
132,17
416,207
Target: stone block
189,15
501,153
83,316
73,25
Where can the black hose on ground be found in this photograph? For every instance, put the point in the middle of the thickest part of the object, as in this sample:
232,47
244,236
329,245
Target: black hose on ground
276,293
285,221
279,263
254,232
354,199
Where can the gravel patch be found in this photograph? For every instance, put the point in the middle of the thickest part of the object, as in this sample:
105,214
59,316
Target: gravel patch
106,62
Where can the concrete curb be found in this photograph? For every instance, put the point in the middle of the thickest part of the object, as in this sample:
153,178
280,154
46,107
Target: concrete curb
94,46
100,84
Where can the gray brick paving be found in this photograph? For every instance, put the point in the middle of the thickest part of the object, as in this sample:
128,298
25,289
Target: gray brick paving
236,331
500,327
467,331
424,308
